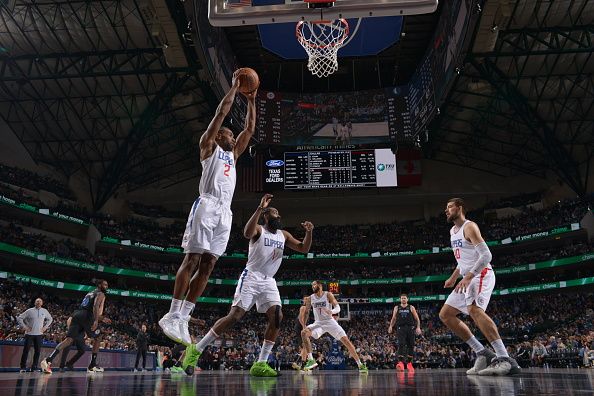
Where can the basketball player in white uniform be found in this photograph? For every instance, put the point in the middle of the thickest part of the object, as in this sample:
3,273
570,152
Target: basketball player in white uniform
472,294
324,306
257,285
209,222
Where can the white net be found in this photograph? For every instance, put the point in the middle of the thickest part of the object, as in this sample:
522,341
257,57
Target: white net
322,40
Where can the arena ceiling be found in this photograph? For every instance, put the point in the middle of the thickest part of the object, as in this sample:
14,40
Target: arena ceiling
523,102
110,89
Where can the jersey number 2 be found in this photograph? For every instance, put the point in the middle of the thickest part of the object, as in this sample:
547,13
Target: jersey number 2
227,169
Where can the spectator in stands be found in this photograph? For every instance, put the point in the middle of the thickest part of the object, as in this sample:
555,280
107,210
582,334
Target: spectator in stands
539,354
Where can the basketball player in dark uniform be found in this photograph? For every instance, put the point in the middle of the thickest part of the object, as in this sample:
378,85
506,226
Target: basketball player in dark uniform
407,324
85,320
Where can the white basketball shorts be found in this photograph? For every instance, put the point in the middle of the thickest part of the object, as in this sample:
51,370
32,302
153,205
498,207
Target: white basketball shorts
208,227
256,288
479,292
331,327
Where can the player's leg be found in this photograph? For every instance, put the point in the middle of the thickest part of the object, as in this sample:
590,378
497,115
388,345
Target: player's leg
410,347
93,367
336,331
170,323
79,342
314,330
402,346
194,351
455,304
478,296
214,241
195,241
46,364
261,367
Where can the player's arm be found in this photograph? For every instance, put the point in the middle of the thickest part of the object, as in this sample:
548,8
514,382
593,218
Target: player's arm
393,320
98,309
303,315
305,312
243,139
300,246
207,140
473,234
417,319
451,281
252,229
335,305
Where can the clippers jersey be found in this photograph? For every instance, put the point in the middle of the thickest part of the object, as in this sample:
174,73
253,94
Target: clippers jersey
218,175
464,251
318,304
265,254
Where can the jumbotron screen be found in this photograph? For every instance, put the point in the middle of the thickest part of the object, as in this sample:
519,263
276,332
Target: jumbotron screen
332,169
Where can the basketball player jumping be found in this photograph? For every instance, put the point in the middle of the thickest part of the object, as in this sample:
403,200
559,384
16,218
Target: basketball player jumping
84,320
209,222
256,284
324,306
472,294
407,324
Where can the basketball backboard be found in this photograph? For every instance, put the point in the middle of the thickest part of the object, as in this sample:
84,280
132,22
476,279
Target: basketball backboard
256,12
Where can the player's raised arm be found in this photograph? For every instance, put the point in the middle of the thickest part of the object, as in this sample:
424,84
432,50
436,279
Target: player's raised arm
207,141
252,229
300,246
243,139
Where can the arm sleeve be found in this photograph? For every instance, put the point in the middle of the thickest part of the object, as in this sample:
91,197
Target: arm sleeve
336,309
484,258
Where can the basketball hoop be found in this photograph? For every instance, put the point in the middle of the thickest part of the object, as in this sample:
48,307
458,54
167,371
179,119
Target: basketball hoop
322,40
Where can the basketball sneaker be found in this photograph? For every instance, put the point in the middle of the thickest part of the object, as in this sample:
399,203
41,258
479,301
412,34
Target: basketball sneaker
22,370
177,370
95,369
184,332
483,359
46,367
190,359
310,364
410,367
170,323
502,366
363,369
262,369
400,366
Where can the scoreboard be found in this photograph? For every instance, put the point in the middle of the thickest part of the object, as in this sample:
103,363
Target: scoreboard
332,169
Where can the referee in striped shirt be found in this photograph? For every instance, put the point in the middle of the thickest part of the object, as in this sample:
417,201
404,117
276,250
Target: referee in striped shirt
35,322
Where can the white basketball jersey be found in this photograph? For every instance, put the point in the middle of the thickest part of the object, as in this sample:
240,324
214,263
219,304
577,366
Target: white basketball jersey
265,255
464,251
318,304
218,175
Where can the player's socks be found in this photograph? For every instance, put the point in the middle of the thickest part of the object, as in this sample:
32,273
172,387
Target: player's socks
52,355
206,340
475,344
175,305
499,348
186,308
310,356
265,351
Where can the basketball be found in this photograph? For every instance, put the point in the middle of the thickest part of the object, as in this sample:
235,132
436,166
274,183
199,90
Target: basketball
248,80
